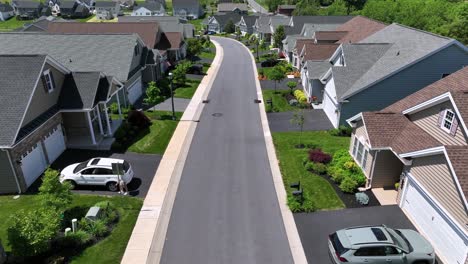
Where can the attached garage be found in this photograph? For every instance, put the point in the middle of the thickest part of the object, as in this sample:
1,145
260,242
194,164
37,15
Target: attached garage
330,109
55,143
449,241
135,91
33,164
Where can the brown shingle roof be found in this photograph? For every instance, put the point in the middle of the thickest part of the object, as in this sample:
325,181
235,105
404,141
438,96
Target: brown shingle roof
148,31
319,51
330,35
395,130
359,28
458,156
175,39
301,42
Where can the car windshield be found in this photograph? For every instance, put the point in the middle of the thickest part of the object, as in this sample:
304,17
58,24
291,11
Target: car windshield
399,239
80,166
126,166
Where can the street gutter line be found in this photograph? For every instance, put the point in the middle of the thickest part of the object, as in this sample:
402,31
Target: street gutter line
149,234
294,240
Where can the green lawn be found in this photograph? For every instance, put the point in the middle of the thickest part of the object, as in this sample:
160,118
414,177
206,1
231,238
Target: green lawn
207,55
156,139
114,245
290,158
168,7
280,104
188,91
84,19
12,24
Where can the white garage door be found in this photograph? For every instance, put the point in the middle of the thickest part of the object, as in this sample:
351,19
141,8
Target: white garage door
33,164
135,91
434,226
329,108
55,144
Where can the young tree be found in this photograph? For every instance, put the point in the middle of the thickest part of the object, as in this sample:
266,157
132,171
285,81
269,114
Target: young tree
291,85
273,4
230,27
299,120
153,94
54,194
238,33
179,73
276,74
278,37
194,47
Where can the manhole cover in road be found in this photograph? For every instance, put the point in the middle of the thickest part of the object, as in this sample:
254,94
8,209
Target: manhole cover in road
217,114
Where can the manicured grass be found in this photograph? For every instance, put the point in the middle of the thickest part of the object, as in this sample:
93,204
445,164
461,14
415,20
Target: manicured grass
188,91
95,19
290,158
207,54
168,7
114,245
280,104
12,24
86,19
157,137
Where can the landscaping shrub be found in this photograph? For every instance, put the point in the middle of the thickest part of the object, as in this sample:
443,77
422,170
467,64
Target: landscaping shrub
139,119
307,205
52,193
114,108
300,96
341,131
348,185
319,168
74,240
317,155
96,228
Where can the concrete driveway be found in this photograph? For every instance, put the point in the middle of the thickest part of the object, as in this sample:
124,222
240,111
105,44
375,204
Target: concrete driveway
144,167
314,228
315,119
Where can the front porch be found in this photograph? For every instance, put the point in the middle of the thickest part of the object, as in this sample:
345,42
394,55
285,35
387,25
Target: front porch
386,196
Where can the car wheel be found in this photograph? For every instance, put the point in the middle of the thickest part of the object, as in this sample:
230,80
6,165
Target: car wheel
112,186
72,184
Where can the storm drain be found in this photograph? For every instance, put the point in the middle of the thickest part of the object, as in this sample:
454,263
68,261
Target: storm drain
206,101
217,114
257,101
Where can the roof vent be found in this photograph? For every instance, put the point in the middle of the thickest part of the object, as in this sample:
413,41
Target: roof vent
398,53
70,60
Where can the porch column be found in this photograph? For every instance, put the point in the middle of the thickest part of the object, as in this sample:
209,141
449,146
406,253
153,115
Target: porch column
118,103
109,129
100,121
93,139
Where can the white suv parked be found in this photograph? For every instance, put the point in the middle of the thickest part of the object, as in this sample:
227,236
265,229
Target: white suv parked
96,171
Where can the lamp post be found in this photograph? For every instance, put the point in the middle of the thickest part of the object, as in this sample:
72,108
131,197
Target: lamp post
172,97
256,42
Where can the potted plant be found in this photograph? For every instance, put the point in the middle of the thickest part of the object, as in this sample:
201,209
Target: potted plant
314,100
397,186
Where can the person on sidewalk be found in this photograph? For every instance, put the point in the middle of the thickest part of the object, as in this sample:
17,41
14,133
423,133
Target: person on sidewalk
122,186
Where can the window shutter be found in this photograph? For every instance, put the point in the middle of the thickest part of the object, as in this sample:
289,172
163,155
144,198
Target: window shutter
453,129
441,117
52,80
44,83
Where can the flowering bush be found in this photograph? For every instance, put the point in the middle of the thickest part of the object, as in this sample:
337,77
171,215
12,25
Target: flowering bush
318,156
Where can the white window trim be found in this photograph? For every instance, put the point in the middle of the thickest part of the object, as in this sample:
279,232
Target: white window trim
52,85
365,150
444,119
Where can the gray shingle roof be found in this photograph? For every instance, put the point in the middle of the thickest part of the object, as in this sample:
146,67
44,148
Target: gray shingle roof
110,54
27,4
359,58
223,19
5,7
106,4
316,69
263,24
227,7
308,29
79,90
290,42
152,6
298,22
18,75
276,21
150,18
408,46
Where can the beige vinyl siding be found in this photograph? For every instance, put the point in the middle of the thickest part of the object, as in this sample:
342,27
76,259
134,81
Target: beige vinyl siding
43,100
387,169
428,120
434,175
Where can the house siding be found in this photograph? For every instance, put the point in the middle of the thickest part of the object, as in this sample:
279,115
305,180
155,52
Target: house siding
387,169
428,121
434,175
42,100
406,82
7,178
360,132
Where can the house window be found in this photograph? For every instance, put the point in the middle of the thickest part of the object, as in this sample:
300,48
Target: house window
447,123
137,50
49,81
148,13
360,153
364,159
356,142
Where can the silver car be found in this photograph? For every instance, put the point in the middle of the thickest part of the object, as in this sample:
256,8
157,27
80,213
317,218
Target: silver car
379,245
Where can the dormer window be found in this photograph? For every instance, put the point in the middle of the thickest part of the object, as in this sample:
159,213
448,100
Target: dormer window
48,81
448,121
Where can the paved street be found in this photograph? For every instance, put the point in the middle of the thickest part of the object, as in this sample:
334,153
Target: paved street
226,209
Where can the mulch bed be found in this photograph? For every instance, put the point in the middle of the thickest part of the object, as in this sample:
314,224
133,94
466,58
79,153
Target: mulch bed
349,199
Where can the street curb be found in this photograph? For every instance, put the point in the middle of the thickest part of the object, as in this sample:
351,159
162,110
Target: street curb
148,236
294,240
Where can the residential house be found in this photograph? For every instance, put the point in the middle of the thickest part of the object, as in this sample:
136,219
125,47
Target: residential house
173,46
29,9
370,75
6,11
265,26
239,8
187,9
421,143
122,56
72,9
217,23
359,28
90,4
314,52
54,7
50,109
125,3
285,10
166,23
246,24
149,9
106,10
39,25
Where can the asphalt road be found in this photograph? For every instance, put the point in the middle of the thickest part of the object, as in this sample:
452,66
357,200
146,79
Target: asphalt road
226,210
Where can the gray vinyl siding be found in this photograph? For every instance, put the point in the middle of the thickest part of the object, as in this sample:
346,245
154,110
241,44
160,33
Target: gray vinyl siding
428,120
42,100
7,178
404,83
434,175
387,169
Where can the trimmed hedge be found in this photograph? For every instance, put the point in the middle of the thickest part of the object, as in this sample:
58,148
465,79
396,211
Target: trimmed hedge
344,171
